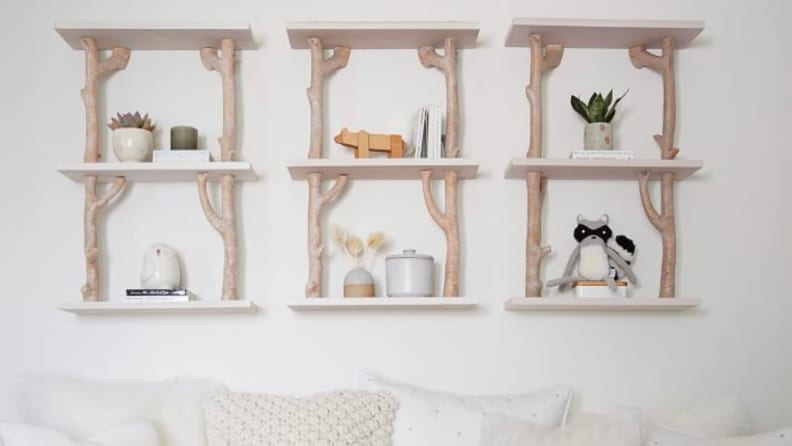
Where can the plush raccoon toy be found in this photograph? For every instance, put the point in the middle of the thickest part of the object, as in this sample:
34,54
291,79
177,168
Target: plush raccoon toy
598,255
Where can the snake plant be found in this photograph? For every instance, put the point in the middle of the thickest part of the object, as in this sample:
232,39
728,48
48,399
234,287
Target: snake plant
598,109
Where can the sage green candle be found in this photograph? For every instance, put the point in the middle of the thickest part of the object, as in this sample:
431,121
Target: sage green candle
183,137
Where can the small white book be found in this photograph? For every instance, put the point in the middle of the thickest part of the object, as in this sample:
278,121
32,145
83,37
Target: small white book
419,133
185,298
600,289
601,155
170,156
435,132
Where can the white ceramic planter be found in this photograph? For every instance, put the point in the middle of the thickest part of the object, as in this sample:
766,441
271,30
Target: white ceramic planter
161,268
358,283
133,144
598,136
409,274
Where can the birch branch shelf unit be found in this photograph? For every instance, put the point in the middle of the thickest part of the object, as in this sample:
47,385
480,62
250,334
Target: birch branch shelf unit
425,37
383,303
133,308
383,168
158,173
121,39
571,169
547,39
603,304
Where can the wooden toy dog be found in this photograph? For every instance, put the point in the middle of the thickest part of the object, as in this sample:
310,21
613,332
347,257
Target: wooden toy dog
363,142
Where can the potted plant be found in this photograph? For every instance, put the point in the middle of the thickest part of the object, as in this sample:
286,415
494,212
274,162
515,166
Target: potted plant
598,113
132,138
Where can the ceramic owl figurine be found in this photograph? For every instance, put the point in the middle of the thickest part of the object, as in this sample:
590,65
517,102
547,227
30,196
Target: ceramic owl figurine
160,268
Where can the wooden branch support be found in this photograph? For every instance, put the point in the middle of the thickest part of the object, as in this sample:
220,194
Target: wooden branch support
317,200
224,222
448,221
94,72
664,221
543,58
447,63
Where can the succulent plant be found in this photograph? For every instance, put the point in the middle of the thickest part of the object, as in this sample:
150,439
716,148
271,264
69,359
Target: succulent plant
598,109
129,120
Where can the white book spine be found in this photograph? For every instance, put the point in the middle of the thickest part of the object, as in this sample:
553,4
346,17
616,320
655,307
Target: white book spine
156,298
602,155
160,156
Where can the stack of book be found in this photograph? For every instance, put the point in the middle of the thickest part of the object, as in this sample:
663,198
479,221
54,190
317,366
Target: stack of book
176,156
601,155
158,295
428,133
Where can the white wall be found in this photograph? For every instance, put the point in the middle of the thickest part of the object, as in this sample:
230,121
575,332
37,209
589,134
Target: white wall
734,97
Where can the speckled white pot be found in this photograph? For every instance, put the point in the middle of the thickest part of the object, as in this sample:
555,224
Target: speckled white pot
133,144
358,283
598,136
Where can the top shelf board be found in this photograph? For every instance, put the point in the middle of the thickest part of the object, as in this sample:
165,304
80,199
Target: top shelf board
382,35
156,37
572,169
606,34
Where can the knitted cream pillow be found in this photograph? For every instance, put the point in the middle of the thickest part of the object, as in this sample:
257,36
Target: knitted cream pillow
357,418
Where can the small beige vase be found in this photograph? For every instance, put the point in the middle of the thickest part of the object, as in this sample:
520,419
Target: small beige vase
358,283
598,136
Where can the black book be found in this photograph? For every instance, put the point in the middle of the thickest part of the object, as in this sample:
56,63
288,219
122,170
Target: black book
155,292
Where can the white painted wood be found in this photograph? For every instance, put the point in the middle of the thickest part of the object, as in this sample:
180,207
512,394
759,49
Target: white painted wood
382,35
159,172
385,303
572,169
164,36
600,304
194,307
608,34
382,168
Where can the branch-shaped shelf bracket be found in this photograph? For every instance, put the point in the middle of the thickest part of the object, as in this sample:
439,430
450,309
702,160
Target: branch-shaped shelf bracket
448,220
224,222
664,220
95,70
321,67
543,58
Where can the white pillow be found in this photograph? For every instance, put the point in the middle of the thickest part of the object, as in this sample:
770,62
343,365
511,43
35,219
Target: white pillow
135,433
82,408
721,416
431,418
660,436
621,428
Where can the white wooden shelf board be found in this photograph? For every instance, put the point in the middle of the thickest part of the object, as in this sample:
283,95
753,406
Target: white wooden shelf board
607,34
382,168
382,35
193,307
159,172
600,304
165,36
385,303
572,169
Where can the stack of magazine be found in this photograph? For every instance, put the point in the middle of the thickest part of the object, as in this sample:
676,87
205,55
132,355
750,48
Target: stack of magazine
602,155
158,295
427,138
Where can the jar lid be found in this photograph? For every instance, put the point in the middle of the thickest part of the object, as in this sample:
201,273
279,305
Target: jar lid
409,254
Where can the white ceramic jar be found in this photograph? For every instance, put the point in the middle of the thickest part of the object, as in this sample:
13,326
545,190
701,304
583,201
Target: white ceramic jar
409,274
161,268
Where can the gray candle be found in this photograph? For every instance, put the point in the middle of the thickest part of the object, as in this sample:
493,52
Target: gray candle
183,137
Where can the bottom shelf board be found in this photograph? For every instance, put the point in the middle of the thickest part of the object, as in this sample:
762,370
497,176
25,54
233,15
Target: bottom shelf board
600,304
193,307
386,303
